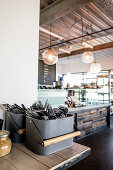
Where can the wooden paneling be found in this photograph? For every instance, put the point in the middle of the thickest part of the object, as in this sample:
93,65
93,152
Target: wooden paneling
89,122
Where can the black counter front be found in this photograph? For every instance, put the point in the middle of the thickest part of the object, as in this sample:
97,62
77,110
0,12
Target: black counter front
90,119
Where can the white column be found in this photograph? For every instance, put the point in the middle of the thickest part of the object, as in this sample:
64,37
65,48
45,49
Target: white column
19,41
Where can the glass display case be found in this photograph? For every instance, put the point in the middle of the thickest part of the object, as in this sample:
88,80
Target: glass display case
86,96
93,88
104,92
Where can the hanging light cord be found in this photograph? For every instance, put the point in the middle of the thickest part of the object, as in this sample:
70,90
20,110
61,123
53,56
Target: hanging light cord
50,35
94,56
82,30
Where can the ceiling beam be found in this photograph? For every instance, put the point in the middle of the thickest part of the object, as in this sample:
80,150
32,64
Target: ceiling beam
50,33
80,37
81,51
59,8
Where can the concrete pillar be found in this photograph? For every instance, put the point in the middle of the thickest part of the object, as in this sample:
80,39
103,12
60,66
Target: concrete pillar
19,41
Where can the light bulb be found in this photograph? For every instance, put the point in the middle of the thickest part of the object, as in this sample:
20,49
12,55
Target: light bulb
87,57
50,57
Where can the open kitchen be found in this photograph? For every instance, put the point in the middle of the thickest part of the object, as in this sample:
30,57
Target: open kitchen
56,85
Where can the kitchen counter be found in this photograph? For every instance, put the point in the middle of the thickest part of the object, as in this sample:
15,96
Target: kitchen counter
86,108
23,159
89,119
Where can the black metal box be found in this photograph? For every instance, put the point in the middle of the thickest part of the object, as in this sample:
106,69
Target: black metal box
48,129
14,122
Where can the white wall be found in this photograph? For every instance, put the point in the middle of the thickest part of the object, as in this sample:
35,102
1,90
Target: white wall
19,33
76,65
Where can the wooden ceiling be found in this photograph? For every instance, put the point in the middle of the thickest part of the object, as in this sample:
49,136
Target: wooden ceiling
69,26
45,3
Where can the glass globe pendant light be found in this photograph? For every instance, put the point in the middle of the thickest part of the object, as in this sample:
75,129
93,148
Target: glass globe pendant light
87,57
95,67
50,56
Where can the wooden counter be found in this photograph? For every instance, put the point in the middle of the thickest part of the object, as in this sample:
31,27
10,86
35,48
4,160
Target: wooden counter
90,119
23,159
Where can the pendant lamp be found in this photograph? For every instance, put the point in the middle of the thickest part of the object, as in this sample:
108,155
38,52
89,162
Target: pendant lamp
95,67
87,57
50,56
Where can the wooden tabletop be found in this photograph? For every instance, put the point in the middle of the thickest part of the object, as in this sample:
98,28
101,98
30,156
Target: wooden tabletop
23,159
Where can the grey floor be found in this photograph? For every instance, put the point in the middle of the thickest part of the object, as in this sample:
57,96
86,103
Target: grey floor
111,120
101,145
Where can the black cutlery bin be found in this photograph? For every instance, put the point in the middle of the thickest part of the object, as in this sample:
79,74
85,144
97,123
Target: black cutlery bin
47,129
15,122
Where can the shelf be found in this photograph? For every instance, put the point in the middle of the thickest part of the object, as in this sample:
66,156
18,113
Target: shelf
103,93
103,100
85,89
